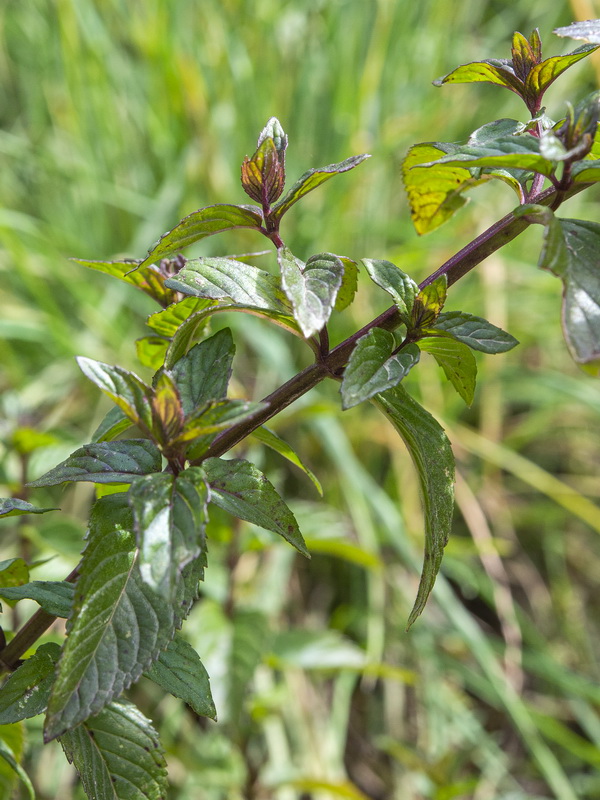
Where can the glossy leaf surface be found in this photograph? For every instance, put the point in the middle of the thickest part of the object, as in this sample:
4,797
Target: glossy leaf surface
396,283
203,374
311,288
476,332
55,597
25,693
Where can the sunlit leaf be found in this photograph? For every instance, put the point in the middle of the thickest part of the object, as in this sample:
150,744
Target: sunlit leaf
167,321
589,30
276,443
457,361
151,351
476,332
113,462
347,290
372,368
204,222
497,71
240,488
167,411
429,303
544,74
395,282
432,455
147,278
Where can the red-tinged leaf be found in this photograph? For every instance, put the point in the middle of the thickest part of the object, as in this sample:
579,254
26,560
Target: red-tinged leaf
499,72
429,303
204,222
167,410
544,74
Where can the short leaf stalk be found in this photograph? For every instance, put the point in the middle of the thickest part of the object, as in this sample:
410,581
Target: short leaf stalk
151,532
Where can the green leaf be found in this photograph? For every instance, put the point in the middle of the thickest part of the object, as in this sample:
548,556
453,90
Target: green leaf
202,375
118,755
113,425
201,426
312,287
151,351
25,693
372,368
477,333
180,672
434,194
500,72
13,572
395,282
102,462
167,412
544,74
55,597
509,152
118,626
14,507
124,388
275,442
429,303
238,487
497,129
432,455
148,278
204,222
27,440
349,286
457,361
226,279
167,321
571,252
170,516
309,181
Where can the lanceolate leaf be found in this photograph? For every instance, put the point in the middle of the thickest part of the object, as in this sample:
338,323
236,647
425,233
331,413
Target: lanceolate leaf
180,672
497,71
167,412
170,517
312,287
432,455
372,368
113,425
167,321
55,597
106,462
347,290
204,222
240,488
435,193
13,572
477,333
118,755
275,442
119,625
310,180
148,278
545,73
227,279
203,373
572,252
395,282
13,507
25,694
457,361
124,388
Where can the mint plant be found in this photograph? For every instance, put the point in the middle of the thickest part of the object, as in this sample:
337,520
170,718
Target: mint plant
146,548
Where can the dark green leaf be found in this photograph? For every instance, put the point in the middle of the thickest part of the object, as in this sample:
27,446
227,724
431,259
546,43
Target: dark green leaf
55,597
113,425
118,755
204,222
167,321
25,693
395,282
13,507
312,287
477,333
203,374
106,462
124,388
372,368
240,488
498,129
170,516
572,252
226,279
119,625
13,572
275,442
148,278
310,180
180,672
457,361
432,455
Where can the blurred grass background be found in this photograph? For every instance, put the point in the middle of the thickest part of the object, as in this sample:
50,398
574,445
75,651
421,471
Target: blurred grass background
116,120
